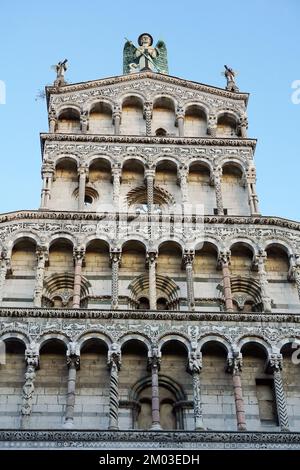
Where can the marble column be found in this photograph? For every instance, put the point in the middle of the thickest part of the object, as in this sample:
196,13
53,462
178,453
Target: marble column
275,367
149,177
42,257
251,185
116,172
4,267
116,116
32,364
263,281
243,126
52,118
148,110
82,172
151,260
183,173
212,125
224,261
73,362
84,121
115,258
180,120
294,271
47,178
188,258
154,366
234,367
195,367
78,254
114,364
217,180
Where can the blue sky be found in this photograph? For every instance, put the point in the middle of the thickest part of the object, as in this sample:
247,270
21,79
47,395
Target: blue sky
260,39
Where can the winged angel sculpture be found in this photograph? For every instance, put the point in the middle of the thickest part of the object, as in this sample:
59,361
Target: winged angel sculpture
145,56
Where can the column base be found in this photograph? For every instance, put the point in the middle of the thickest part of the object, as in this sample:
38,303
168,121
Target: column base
242,428
113,428
68,424
156,427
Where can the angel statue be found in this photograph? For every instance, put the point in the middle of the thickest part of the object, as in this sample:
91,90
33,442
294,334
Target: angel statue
145,57
60,70
230,75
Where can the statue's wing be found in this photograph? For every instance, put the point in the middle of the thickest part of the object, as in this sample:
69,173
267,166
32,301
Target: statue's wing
161,61
128,56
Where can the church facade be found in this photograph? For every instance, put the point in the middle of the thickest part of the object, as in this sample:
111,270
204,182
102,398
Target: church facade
147,303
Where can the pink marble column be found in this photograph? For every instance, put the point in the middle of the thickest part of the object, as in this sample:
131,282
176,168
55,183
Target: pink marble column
234,366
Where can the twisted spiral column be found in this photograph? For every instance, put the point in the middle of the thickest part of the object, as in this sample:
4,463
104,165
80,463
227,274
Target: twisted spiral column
114,364
275,366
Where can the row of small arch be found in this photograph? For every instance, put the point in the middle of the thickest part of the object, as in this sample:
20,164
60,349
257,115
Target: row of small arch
168,100
236,162
249,244
189,344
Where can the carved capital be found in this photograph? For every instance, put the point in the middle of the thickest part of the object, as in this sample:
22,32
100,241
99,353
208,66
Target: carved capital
188,257
274,363
115,255
78,253
151,257
224,258
32,355
148,109
114,356
195,362
234,363
154,358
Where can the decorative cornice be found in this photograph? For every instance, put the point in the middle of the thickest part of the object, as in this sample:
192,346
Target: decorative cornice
97,216
150,140
27,312
69,88
153,439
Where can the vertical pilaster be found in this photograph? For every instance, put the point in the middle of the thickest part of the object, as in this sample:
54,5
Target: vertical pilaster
188,258
114,364
42,256
32,364
151,260
148,110
224,261
243,126
275,366
115,258
4,266
234,366
154,366
195,367
73,362
263,281
78,254
116,116
180,120
217,180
